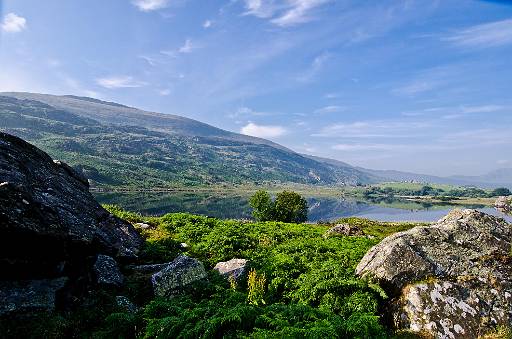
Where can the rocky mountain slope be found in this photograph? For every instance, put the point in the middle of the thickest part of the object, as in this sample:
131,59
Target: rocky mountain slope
118,145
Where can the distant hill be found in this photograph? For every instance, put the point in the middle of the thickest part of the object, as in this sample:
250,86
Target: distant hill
117,145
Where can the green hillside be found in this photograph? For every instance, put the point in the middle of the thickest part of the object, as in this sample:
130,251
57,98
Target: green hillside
115,145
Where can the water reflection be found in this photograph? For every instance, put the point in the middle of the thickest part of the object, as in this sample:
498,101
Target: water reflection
233,206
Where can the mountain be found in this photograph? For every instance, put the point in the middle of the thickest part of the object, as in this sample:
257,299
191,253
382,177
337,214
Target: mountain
497,178
117,145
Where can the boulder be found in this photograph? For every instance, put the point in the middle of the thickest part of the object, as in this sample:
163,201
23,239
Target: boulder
450,280
29,295
504,204
107,271
176,276
235,268
125,304
49,222
346,230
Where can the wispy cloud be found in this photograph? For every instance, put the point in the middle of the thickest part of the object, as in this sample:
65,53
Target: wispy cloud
124,81
300,12
416,87
283,13
263,131
374,129
317,65
330,109
150,5
207,24
187,47
13,23
364,147
492,34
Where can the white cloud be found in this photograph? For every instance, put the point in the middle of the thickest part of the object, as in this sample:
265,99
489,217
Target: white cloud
485,35
13,23
207,24
187,47
124,81
416,87
330,109
263,131
364,147
298,13
316,66
164,92
283,13
150,5
482,109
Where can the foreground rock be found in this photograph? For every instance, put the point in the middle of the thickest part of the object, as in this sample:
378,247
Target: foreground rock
504,204
29,295
177,275
107,271
345,230
234,268
450,280
51,228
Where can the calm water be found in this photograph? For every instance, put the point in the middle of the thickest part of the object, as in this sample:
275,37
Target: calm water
237,207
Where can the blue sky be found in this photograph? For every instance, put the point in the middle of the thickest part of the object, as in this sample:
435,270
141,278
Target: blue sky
423,86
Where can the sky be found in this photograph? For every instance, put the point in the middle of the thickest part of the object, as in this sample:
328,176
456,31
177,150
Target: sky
421,86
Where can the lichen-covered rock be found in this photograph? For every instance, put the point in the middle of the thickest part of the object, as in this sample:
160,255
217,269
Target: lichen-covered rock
176,276
107,271
504,204
29,295
452,279
125,304
49,222
235,268
345,229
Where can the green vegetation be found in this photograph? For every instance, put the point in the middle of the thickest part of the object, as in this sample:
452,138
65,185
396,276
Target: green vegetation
301,284
287,207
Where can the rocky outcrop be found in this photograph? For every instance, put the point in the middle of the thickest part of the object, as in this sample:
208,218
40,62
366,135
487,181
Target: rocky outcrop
107,271
29,295
180,273
234,268
51,228
345,230
452,279
504,204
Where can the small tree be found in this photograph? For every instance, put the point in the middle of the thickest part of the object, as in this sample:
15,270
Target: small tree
500,192
262,206
291,207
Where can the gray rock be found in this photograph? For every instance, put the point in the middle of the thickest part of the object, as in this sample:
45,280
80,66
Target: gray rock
175,277
29,295
236,268
48,217
142,225
345,229
150,268
125,304
452,279
504,204
107,271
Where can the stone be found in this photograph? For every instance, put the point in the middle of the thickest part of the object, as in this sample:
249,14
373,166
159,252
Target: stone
235,268
125,304
27,296
504,204
142,225
346,230
176,276
49,221
107,271
452,279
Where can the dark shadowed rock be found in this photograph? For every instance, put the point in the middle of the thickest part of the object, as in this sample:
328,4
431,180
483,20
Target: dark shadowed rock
29,295
181,272
452,279
49,222
235,268
125,304
345,229
107,272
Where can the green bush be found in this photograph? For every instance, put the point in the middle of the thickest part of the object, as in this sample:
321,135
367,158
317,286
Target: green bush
287,207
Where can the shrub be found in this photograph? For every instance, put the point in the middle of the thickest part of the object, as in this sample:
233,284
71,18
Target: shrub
287,207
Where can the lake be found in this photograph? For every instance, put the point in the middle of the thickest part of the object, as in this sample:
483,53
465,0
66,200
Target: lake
232,206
